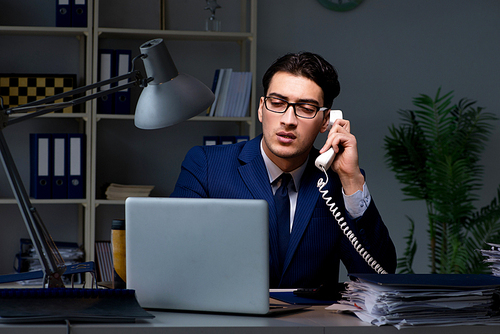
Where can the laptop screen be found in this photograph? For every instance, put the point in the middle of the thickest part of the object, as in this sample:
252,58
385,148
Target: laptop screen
198,254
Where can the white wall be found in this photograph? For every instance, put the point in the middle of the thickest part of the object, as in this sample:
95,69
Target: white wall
386,53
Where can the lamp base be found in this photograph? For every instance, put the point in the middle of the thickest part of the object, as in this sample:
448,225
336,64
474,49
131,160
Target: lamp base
84,267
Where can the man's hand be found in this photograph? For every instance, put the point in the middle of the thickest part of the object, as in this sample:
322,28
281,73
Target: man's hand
346,163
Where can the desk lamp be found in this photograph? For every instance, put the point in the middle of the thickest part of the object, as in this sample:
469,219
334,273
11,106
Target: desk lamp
167,98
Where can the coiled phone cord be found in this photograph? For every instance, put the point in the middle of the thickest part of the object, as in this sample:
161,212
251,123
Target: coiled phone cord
345,228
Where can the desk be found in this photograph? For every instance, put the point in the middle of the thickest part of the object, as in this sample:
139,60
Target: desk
315,320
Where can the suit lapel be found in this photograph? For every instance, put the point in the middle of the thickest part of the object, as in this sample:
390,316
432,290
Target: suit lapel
254,174
253,171
306,203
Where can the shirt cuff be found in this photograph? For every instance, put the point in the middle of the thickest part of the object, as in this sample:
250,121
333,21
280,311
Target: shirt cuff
357,203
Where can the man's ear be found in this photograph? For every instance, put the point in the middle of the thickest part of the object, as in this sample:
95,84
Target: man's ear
326,119
259,111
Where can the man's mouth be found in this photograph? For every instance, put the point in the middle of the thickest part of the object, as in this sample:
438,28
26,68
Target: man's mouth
286,136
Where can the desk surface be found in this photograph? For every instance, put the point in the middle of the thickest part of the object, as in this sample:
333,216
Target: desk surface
311,321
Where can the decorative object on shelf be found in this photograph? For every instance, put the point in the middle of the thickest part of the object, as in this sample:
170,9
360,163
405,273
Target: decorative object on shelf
212,23
19,89
168,97
340,5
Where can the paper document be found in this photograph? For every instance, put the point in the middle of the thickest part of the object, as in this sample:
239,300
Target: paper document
493,257
417,300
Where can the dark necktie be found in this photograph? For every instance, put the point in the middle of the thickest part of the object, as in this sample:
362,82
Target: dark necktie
283,213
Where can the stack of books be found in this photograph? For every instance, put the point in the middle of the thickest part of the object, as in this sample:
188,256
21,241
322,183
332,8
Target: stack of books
232,93
493,257
422,299
121,192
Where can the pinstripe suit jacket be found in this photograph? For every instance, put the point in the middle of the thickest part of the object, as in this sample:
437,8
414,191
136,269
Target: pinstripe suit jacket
316,242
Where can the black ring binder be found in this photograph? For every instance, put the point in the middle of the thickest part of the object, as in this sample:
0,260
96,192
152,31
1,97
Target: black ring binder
61,304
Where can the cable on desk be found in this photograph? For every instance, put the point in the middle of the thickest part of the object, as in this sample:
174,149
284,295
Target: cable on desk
68,326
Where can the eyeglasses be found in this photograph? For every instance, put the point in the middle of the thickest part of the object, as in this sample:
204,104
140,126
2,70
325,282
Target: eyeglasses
301,109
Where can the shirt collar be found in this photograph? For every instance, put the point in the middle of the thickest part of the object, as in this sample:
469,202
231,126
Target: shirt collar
273,171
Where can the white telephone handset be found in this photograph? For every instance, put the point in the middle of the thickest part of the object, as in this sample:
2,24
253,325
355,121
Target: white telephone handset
323,162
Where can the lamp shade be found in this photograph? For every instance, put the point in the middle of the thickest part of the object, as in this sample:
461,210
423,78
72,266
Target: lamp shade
171,97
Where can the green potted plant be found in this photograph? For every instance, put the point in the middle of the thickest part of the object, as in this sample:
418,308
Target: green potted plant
435,154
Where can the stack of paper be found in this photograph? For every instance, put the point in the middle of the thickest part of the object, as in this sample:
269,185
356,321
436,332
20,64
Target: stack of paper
420,299
493,257
121,192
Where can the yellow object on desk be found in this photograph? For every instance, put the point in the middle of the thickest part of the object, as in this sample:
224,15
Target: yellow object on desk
119,256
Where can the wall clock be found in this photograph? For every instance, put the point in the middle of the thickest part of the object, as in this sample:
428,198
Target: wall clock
340,5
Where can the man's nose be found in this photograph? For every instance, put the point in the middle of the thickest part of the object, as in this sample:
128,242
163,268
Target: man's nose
289,116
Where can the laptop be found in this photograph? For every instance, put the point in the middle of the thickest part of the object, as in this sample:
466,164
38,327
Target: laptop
192,254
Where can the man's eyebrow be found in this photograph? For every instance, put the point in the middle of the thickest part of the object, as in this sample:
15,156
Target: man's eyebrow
311,101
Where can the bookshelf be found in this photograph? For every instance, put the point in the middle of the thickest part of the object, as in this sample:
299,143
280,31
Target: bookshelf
36,46
116,151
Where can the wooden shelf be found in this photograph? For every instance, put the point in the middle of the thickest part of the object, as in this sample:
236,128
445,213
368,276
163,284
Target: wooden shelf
56,115
45,201
43,31
174,34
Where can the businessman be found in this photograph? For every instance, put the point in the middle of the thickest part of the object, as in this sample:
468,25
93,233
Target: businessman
306,243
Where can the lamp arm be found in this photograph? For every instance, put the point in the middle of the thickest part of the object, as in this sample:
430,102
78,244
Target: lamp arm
105,92
51,261
189,96
48,106
50,258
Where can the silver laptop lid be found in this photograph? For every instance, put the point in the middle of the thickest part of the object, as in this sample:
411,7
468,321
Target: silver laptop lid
198,254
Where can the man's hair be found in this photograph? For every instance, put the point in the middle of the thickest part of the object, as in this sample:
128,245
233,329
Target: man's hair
308,65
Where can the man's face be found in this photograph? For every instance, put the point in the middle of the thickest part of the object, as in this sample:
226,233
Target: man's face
287,138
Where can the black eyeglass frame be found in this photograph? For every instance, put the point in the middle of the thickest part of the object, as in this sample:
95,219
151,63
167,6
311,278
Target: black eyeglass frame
288,104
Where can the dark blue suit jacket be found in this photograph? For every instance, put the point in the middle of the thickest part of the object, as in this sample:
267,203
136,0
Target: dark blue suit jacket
316,242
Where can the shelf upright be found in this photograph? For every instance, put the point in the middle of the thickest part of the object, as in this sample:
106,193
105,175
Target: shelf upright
246,39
